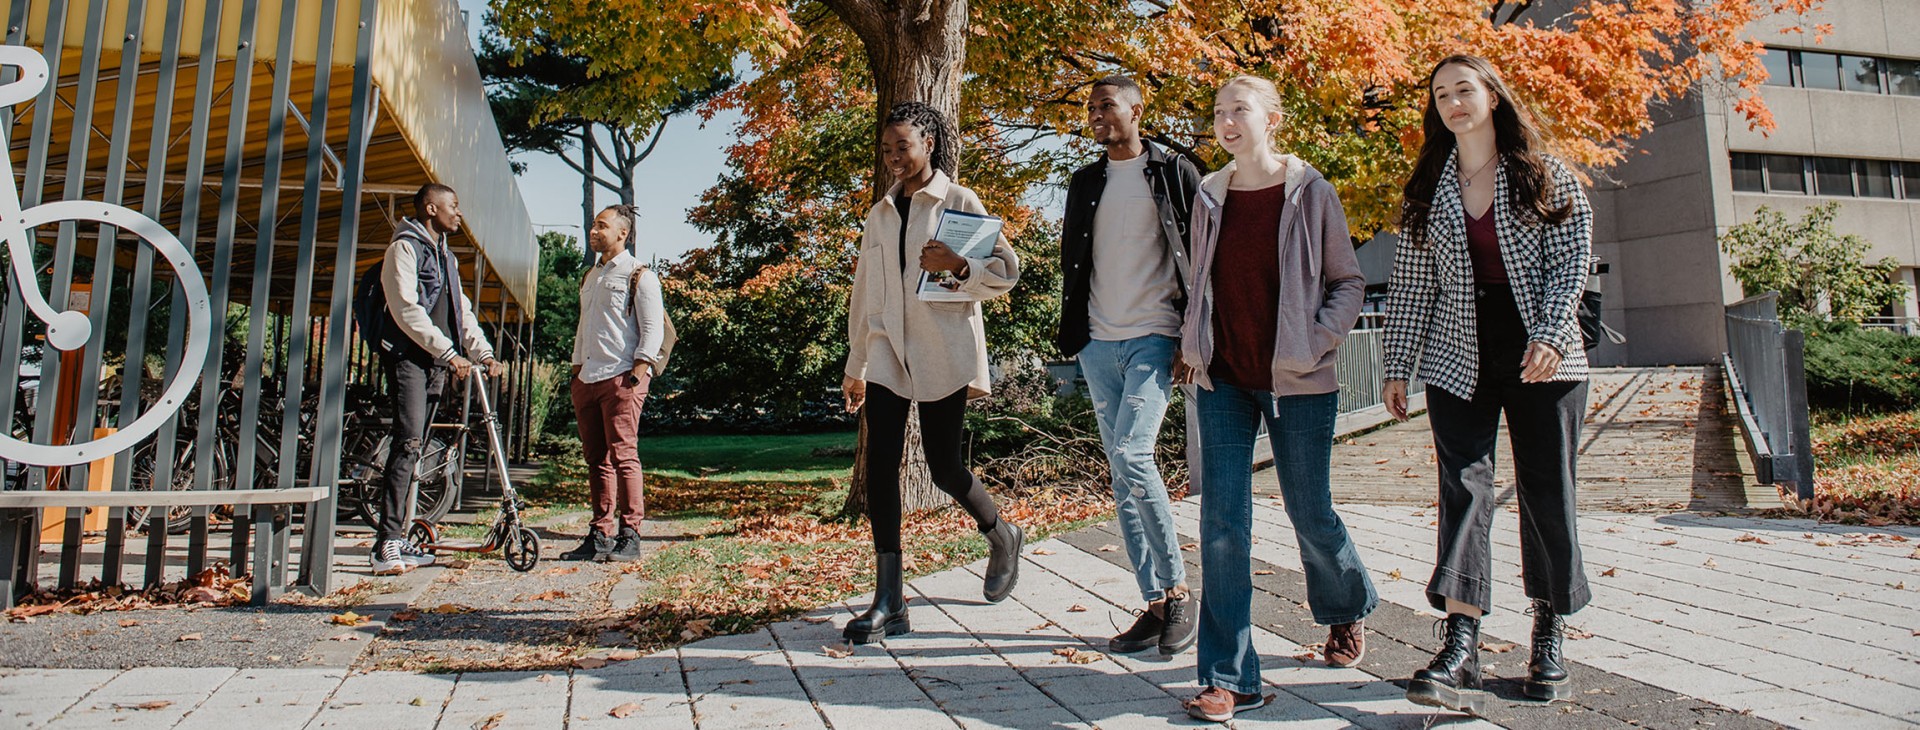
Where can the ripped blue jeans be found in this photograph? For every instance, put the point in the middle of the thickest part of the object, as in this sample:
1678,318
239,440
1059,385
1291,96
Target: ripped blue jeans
1129,381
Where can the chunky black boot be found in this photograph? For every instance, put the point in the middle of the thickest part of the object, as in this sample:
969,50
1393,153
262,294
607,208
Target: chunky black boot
888,614
1003,563
1452,680
1547,671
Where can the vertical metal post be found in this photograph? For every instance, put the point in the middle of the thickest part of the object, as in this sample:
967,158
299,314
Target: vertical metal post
212,387
317,559
19,531
1794,346
132,369
15,313
197,141
259,306
319,523
64,259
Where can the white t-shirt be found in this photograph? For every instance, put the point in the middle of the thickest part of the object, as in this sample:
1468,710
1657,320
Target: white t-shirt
1134,279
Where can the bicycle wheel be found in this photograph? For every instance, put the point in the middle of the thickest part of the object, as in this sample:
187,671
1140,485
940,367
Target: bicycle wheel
436,493
185,461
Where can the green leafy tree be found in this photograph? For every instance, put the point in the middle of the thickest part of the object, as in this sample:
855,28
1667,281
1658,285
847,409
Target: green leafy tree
562,264
1818,272
556,103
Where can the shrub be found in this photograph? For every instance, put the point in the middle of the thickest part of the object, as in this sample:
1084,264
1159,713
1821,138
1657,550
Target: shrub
1851,369
1025,436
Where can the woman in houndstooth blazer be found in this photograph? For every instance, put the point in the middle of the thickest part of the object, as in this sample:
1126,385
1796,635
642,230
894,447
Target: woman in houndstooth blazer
1496,244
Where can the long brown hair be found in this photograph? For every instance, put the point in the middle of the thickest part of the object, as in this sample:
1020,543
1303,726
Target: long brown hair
1517,142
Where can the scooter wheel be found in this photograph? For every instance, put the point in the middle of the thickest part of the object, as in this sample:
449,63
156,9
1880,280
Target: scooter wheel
522,550
422,533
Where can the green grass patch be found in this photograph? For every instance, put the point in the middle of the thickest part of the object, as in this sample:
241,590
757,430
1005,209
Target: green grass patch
758,458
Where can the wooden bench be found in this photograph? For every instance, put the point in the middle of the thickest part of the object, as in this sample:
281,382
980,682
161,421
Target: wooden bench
18,542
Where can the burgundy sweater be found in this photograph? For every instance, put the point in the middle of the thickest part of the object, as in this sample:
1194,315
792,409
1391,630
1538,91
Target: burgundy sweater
1246,287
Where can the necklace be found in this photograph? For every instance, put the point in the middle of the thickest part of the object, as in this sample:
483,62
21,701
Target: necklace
1467,182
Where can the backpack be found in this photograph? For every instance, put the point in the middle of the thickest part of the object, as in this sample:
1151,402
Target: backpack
370,313
666,339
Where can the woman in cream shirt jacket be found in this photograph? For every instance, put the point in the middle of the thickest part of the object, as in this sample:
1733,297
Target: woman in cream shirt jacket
903,351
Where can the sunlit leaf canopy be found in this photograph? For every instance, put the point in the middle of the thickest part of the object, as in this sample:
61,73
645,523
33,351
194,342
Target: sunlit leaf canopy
1352,73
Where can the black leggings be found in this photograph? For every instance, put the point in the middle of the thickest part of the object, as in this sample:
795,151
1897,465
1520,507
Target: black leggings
941,422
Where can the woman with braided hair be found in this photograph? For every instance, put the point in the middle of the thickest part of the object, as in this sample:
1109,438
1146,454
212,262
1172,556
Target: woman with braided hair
904,351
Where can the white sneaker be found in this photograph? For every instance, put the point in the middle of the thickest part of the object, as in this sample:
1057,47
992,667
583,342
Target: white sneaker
413,554
387,558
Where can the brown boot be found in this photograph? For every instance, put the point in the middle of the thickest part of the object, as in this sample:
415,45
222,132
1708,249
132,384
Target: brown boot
1346,644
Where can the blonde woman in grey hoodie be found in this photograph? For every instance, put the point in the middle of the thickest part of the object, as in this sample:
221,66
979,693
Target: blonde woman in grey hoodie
1275,289
904,352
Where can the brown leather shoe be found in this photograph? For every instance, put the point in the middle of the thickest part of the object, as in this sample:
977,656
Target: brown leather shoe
1346,644
1214,704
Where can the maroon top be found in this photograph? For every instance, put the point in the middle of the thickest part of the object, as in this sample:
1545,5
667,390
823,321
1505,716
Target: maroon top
1246,288
1483,246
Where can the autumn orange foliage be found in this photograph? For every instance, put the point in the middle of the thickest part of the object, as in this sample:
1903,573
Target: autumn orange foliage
1351,71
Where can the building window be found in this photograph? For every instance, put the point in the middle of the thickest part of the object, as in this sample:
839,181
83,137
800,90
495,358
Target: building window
1786,174
1875,178
1841,72
1832,176
1749,173
1860,73
1843,177
1779,63
1819,70
1903,77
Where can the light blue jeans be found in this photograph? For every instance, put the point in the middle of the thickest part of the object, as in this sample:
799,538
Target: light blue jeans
1300,427
1129,381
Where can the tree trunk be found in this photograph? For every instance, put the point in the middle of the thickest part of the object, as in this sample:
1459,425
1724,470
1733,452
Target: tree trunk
586,184
918,54
916,51
917,491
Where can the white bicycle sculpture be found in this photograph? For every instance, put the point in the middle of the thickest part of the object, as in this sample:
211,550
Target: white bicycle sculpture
71,330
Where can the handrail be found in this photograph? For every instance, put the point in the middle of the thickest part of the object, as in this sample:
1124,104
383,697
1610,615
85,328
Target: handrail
1766,374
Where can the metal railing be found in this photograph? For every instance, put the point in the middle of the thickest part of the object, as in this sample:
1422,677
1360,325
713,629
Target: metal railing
1362,364
1902,325
1766,374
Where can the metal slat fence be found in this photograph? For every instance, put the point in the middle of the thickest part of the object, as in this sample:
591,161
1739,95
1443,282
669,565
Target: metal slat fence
1767,376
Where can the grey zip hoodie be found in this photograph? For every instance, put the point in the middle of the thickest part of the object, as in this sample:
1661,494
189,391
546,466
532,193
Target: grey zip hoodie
1321,286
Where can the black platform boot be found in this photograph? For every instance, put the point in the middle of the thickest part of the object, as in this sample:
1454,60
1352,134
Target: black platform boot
1003,562
1547,671
1452,680
888,614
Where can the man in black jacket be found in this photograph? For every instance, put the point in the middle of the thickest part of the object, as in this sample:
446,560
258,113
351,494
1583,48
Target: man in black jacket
1124,259
436,335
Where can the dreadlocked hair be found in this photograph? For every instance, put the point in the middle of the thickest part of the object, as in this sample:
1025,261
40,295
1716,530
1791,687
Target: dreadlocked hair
931,122
628,214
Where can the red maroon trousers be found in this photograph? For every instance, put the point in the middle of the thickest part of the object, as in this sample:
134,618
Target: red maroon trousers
609,415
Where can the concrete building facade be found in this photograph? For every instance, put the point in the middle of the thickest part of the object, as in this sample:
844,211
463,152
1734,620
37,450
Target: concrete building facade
1847,113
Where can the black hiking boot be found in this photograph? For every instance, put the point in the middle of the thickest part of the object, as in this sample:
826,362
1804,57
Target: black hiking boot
1452,680
1547,671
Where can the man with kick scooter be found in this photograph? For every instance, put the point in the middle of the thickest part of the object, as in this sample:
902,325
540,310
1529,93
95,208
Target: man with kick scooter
429,331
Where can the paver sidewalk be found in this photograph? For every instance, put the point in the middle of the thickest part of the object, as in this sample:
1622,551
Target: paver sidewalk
1802,625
